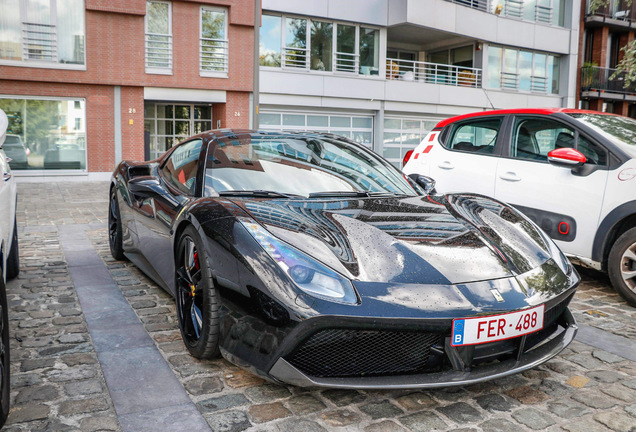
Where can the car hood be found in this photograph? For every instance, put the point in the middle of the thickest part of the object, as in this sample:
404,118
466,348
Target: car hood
442,239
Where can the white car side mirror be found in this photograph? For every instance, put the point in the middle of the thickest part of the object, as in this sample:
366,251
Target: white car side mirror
4,124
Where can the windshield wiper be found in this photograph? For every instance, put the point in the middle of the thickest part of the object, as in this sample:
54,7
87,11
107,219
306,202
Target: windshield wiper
339,194
258,193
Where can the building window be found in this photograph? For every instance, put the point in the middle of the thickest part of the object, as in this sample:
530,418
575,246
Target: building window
402,135
168,124
158,37
321,45
214,41
512,69
357,128
269,40
42,31
43,133
301,43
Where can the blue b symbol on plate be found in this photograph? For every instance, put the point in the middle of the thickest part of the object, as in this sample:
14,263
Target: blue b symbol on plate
458,332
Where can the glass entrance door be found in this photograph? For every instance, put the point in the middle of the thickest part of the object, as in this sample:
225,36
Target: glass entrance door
168,124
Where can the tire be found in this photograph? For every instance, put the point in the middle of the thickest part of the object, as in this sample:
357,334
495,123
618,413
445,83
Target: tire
13,260
115,237
4,356
197,306
621,266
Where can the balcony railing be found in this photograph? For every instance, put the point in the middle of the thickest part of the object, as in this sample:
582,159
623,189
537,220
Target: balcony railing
622,10
602,79
511,9
295,58
475,4
158,51
509,81
432,73
214,55
346,62
538,84
298,58
39,42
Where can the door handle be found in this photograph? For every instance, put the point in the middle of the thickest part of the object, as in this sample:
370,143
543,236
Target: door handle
447,165
510,176
6,176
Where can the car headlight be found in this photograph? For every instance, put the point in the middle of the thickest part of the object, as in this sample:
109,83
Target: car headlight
307,274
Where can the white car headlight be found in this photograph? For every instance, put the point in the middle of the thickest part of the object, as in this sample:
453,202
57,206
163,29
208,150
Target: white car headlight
307,274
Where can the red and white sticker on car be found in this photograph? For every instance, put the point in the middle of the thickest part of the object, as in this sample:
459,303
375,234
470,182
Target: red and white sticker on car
493,328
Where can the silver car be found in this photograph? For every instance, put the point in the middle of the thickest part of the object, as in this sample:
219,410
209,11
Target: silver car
9,262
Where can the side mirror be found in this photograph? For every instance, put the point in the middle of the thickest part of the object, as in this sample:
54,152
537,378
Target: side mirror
425,182
145,187
4,124
566,158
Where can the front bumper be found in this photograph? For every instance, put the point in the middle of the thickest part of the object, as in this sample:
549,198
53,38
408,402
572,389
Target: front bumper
550,345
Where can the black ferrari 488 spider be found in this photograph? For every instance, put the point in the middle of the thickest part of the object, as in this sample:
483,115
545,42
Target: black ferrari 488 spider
308,259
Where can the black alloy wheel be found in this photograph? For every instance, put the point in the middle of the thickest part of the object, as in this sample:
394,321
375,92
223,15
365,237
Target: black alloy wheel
115,237
4,354
197,308
621,266
13,260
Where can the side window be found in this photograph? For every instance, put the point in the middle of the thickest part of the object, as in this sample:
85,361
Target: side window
533,138
594,153
181,168
476,136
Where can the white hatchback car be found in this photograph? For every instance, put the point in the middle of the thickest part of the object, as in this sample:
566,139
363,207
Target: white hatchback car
572,172
9,262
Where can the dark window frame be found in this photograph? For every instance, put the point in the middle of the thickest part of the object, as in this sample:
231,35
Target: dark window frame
506,153
168,181
499,141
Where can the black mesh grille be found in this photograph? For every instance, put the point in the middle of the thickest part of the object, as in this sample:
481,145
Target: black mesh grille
349,353
551,315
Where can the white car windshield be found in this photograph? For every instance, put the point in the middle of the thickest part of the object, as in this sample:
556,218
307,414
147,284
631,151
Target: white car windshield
619,130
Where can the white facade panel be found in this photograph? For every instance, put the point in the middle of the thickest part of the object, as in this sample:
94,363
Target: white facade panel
374,12
405,91
353,87
318,8
465,21
439,15
485,28
553,39
301,83
514,32
361,11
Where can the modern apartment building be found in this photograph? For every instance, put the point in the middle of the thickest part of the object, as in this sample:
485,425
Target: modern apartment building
86,83
384,72
606,31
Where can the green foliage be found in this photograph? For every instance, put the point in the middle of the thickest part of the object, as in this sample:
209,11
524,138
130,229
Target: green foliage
595,5
627,65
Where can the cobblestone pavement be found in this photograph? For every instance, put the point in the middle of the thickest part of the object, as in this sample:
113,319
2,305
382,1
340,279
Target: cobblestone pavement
57,381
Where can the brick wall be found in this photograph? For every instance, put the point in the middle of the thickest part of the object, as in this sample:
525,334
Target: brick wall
115,55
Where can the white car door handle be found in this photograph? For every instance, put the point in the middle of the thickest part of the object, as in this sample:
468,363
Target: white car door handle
510,176
6,176
446,165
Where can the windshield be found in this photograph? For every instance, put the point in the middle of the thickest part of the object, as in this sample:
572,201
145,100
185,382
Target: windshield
619,130
299,165
12,141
